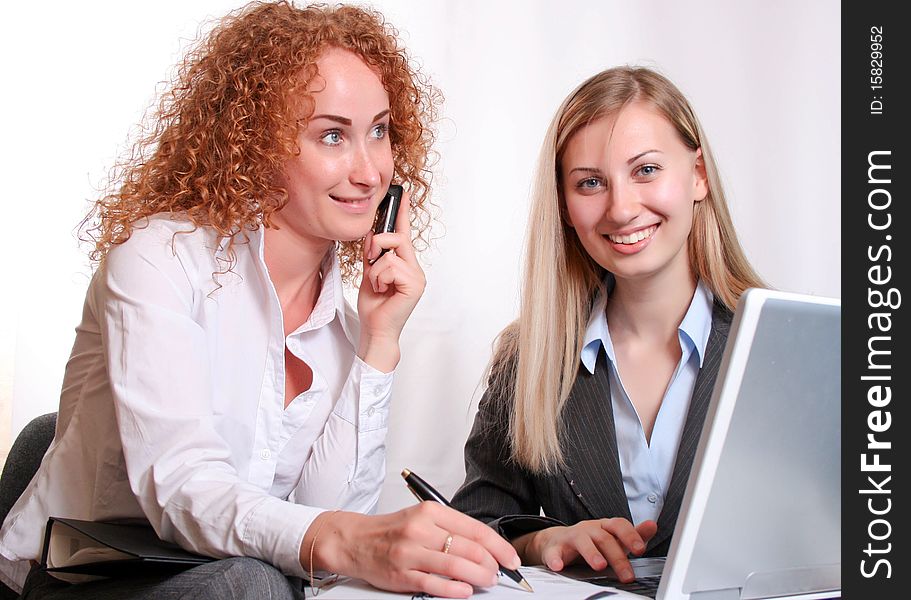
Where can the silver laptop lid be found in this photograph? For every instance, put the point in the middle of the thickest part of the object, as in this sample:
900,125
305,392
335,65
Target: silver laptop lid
762,511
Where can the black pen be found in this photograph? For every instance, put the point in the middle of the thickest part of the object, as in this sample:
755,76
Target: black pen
424,491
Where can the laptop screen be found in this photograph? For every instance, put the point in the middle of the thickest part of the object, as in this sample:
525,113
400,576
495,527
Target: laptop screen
762,510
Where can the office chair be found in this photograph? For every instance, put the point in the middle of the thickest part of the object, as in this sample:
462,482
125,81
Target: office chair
21,465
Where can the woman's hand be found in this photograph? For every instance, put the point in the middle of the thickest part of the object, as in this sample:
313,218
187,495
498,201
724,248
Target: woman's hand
404,551
600,542
389,291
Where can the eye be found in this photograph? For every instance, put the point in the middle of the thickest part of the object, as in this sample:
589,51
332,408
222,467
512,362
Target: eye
332,137
589,183
647,171
379,131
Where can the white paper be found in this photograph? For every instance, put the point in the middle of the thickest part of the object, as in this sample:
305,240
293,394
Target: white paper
546,584
69,547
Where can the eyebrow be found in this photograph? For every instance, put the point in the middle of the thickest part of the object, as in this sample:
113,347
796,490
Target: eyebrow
346,120
629,162
641,154
586,170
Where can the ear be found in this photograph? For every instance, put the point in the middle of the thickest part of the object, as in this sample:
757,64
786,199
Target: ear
701,187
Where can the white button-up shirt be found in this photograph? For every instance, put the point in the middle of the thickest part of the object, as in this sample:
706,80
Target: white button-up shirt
647,469
172,408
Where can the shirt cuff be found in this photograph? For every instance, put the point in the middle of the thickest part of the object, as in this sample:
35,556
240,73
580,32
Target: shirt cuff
365,399
274,532
513,526
13,573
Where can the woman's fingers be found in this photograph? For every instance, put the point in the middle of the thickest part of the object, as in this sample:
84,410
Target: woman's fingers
403,218
429,548
557,555
451,564
614,554
423,548
387,271
420,544
399,241
485,537
433,585
619,539
647,530
599,549
600,543
392,271
471,551
624,532
403,227
367,251
398,266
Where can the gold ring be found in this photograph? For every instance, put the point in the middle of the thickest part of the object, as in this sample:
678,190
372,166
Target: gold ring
447,545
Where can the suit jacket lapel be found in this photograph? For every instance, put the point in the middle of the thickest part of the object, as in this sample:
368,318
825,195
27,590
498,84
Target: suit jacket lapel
593,464
692,428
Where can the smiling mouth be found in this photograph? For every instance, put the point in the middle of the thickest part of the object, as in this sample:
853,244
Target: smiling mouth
350,200
632,238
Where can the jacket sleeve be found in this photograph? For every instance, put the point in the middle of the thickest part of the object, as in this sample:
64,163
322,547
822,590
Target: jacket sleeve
497,490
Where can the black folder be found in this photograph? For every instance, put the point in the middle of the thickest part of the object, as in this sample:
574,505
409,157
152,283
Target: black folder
114,549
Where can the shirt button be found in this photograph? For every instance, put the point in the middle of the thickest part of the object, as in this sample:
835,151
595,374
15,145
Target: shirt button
371,411
652,498
378,390
265,454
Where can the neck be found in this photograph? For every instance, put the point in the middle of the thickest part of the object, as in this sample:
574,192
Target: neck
650,308
294,265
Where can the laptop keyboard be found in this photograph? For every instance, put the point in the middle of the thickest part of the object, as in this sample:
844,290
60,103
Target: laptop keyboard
644,586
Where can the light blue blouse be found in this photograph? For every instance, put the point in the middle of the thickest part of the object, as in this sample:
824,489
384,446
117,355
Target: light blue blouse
647,469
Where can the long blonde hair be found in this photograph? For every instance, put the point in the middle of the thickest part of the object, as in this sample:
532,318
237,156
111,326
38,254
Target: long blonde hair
537,356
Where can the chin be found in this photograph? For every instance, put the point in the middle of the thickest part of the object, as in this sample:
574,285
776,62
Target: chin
628,271
353,234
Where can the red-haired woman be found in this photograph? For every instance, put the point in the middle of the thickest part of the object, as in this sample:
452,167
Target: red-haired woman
219,387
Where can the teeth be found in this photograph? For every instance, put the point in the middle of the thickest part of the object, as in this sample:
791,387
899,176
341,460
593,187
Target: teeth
634,237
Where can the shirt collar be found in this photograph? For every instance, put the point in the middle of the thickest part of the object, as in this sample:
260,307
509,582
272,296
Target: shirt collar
596,333
693,331
697,322
331,301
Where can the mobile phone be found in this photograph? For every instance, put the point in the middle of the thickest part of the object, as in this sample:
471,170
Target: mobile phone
386,214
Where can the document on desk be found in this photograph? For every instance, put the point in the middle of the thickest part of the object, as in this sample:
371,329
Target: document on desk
546,584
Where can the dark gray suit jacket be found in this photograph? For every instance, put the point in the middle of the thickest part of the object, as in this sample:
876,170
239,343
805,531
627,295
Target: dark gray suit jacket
510,498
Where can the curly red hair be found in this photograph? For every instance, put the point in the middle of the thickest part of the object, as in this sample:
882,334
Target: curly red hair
226,126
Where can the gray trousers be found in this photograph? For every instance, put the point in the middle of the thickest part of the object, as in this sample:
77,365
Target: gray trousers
227,579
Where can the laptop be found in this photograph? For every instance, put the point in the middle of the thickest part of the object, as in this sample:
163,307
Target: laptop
761,516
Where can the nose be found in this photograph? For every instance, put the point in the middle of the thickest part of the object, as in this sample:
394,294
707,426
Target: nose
364,167
622,205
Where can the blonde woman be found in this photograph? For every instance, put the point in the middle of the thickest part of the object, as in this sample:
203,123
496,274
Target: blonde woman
598,392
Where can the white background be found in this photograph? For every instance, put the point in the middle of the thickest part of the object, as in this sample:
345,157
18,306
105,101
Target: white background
764,77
